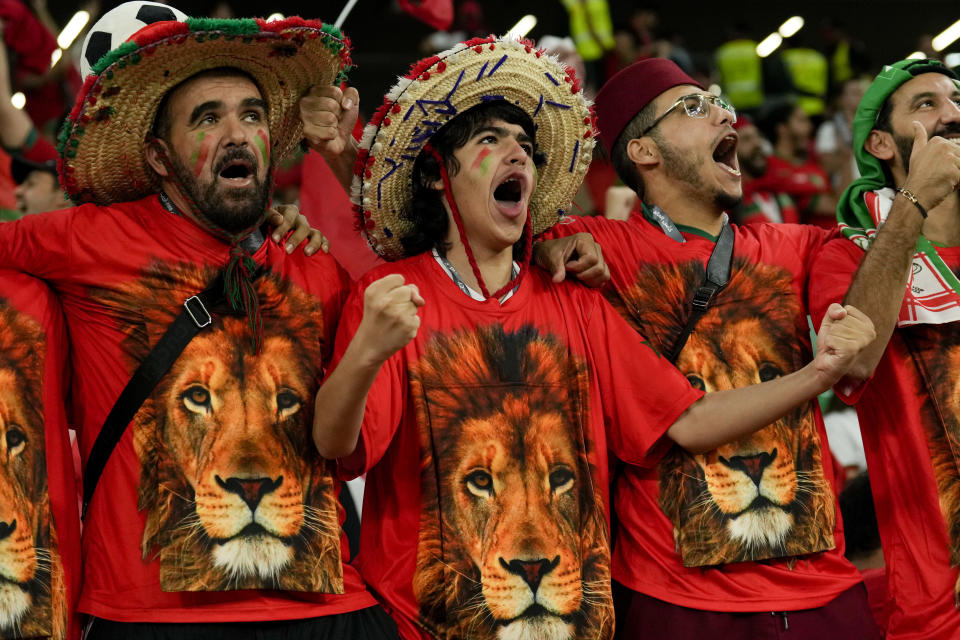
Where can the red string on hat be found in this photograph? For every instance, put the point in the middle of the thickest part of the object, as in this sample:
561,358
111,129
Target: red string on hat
527,234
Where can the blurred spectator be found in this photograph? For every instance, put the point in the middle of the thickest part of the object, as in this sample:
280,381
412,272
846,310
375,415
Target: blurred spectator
590,27
843,434
759,204
38,189
791,169
809,74
834,142
49,92
740,70
847,57
468,22
863,544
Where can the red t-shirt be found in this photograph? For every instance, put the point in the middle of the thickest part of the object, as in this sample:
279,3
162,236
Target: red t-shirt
804,183
905,415
672,544
214,506
38,507
485,441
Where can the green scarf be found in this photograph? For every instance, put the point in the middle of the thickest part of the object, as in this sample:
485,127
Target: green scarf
856,222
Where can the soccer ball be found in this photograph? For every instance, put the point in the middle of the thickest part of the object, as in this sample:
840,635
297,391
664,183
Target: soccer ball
117,25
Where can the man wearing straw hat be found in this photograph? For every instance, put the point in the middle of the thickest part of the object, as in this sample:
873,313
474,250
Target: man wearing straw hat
745,540
481,398
213,518
906,131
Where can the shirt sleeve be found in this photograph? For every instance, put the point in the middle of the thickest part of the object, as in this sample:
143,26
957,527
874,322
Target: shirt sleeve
385,400
829,280
40,245
642,393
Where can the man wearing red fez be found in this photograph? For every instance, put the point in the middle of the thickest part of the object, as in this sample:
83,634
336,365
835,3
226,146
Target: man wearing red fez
744,541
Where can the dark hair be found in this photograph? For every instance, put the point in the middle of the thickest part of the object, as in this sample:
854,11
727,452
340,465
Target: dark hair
163,119
774,115
427,213
622,164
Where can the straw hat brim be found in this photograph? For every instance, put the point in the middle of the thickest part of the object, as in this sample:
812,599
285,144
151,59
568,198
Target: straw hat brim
438,89
102,144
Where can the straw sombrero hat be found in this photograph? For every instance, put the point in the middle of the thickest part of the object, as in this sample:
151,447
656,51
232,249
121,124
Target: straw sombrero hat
442,86
102,143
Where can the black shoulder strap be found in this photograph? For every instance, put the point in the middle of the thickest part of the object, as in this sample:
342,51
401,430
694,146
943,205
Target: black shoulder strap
194,317
716,277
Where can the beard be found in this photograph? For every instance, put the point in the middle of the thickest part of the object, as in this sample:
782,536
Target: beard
232,210
905,143
687,171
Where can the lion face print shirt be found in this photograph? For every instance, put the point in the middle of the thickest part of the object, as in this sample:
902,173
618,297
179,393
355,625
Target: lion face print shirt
910,420
39,524
754,524
214,506
485,445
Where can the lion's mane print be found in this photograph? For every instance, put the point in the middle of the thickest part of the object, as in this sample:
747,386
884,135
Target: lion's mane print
513,540
764,496
235,494
32,589
937,354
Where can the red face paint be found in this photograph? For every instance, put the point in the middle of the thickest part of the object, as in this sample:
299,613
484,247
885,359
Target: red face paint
478,162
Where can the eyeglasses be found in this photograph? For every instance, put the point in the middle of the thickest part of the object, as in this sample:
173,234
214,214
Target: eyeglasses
696,105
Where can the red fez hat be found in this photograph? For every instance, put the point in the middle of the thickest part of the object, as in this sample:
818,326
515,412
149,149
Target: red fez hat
630,90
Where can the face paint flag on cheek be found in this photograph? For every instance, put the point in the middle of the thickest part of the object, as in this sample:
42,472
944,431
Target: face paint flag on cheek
264,145
482,161
199,156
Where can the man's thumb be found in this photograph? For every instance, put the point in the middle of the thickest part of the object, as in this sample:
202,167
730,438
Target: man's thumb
919,135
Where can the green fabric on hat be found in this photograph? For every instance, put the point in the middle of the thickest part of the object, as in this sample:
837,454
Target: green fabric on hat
852,213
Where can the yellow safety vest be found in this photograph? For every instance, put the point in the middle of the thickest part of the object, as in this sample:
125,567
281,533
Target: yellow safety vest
741,75
590,27
808,71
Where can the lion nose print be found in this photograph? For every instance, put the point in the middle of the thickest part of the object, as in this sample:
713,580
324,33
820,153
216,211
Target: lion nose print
532,571
250,490
752,465
7,528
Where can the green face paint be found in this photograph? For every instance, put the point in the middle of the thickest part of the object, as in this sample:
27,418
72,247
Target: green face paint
200,153
482,161
261,141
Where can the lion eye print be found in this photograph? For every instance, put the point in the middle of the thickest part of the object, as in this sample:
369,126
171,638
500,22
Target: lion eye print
480,484
561,480
696,382
769,372
197,400
288,403
16,440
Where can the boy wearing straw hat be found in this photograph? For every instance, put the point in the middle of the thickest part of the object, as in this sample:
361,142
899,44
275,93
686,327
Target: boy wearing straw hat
746,539
906,134
213,517
481,398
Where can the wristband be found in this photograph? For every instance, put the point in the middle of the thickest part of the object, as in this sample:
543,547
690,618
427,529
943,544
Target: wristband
912,198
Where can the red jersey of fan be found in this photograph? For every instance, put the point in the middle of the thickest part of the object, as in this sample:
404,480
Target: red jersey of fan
804,183
485,444
39,524
910,424
214,506
753,525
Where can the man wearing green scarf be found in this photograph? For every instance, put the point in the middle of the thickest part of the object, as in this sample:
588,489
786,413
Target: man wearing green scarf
903,212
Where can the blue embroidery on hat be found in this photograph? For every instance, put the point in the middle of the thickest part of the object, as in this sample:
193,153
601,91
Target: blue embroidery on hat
497,66
550,77
482,69
576,150
387,232
539,106
491,97
557,104
393,167
444,107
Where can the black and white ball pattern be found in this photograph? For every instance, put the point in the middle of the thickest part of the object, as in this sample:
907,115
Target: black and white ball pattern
117,25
